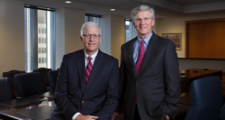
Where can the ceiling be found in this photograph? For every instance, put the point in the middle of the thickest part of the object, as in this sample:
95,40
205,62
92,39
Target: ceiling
163,8
193,2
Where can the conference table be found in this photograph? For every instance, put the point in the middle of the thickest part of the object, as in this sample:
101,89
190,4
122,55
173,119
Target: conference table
37,107
43,108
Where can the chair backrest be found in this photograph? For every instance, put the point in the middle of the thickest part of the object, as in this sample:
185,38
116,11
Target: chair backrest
206,99
44,72
6,92
52,77
28,84
10,74
222,113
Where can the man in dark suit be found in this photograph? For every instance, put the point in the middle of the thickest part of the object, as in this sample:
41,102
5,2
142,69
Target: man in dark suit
88,81
149,72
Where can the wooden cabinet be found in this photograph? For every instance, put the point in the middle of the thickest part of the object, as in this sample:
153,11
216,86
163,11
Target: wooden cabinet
205,39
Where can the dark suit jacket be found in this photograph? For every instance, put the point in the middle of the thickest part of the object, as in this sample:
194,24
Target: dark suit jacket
157,88
99,97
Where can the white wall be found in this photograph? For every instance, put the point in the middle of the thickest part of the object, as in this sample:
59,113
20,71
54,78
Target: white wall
210,64
113,34
172,25
12,35
68,25
73,23
117,35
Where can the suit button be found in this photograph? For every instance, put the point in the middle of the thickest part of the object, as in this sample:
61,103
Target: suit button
134,98
82,101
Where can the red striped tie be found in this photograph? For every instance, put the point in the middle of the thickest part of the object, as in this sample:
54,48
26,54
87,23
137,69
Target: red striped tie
141,55
88,70
87,73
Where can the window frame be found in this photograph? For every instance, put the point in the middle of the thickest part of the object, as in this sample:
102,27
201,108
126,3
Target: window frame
35,40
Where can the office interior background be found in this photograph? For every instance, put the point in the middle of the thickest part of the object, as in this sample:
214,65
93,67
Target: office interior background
37,33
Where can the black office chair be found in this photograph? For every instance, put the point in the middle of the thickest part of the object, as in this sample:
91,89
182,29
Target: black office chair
6,92
28,84
52,77
222,113
10,74
206,99
44,73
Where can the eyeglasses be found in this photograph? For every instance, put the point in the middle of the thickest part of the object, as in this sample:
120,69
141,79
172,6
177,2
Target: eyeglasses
89,35
145,19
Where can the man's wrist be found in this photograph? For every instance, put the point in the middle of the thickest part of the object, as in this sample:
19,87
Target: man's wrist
75,115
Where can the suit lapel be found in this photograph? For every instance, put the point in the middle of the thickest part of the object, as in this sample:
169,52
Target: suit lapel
96,67
131,59
81,68
150,49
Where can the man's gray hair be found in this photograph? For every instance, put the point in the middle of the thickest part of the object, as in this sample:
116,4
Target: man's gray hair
142,8
88,25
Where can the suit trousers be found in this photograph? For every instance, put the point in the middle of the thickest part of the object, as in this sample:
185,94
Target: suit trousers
136,114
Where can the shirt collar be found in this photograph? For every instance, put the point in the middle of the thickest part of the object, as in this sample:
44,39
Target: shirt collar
147,39
93,56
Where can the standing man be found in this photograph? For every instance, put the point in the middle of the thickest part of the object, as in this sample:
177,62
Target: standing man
88,80
149,71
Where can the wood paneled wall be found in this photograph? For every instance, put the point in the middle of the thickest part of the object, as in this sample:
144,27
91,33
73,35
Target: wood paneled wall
205,39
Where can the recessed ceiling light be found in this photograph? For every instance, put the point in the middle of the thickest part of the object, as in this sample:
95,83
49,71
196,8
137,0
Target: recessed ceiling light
112,9
68,2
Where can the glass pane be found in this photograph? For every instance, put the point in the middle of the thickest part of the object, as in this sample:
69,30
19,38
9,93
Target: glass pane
127,30
130,31
42,34
86,18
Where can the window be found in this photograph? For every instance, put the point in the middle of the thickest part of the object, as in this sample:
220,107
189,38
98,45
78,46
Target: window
94,18
42,40
130,31
39,37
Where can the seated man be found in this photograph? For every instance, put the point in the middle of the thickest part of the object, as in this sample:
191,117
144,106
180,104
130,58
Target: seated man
88,82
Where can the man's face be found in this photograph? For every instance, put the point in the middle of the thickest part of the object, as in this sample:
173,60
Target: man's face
91,39
143,23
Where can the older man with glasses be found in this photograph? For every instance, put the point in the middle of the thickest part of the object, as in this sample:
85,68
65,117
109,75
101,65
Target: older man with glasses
88,82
